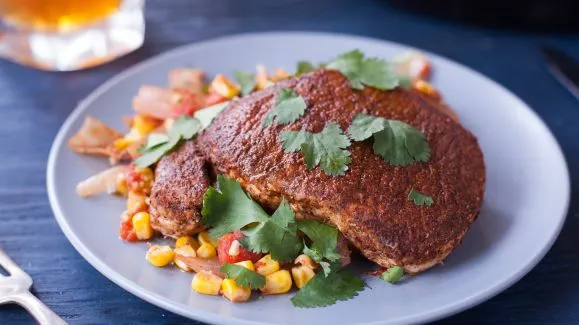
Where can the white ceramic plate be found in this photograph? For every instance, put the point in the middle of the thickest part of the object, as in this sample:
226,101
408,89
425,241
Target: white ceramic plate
526,199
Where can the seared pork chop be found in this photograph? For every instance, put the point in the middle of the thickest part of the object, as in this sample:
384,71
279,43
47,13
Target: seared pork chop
369,204
181,179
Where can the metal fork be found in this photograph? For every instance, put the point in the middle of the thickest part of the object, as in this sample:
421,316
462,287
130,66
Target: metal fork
15,287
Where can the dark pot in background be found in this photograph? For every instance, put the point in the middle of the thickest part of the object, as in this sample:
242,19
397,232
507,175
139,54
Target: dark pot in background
536,15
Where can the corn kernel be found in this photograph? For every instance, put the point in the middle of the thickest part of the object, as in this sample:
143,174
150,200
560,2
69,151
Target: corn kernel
181,265
305,260
301,275
280,74
159,255
266,265
261,77
136,202
122,143
277,282
206,283
187,240
224,87
206,251
233,292
246,264
142,225
427,89
144,125
205,238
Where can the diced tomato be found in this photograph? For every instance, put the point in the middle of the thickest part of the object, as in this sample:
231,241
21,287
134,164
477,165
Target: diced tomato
214,98
224,244
126,232
185,103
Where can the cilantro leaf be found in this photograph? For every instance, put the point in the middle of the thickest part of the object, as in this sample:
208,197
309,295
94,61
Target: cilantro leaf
159,145
326,148
246,81
323,291
419,198
244,277
288,107
185,127
276,235
207,114
318,258
304,67
393,274
324,239
229,208
360,71
397,142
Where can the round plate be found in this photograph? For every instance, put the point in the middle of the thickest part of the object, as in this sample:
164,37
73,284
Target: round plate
526,200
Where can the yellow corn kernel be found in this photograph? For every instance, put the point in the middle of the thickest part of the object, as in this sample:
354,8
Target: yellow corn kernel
142,225
302,274
224,87
183,251
206,283
427,89
121,185
136,202
143,125
206,251
277,282
205,238
305,260
187,240
246,264
122,143
266,265
233,292
159,255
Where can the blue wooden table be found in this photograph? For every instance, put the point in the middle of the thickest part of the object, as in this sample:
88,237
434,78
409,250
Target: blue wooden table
34,104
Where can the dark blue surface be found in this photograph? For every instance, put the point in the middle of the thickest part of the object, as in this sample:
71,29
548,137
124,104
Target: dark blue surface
34,104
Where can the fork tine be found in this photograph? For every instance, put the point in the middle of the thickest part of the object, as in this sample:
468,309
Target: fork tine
9,264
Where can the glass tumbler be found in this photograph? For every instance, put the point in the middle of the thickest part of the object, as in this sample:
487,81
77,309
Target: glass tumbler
64,35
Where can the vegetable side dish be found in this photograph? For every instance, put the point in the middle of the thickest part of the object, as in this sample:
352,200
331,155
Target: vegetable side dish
268,181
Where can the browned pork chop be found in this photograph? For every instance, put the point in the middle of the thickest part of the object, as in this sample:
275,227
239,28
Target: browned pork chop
181,179
369,204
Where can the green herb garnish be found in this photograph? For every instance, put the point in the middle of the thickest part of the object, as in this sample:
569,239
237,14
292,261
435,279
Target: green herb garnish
304,67
326,148
324,290
244,277
398,143
289,106
419,198
159,145
360,71
246,81
393,274
276,235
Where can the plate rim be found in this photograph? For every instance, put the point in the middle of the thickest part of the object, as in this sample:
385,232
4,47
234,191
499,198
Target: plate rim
200,315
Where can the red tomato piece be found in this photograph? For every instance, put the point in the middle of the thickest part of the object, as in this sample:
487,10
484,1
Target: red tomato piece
185,103
224,244
126,231
214,98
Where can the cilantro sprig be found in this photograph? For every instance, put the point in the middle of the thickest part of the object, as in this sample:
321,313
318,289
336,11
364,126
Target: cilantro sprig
244,277
276,235
419,198
324,240
324,290
360,71
326,148
397,142
246,81
304,67
229,208
289,107
159,145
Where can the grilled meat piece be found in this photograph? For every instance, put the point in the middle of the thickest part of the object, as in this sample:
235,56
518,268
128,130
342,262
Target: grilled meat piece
181,179
369,204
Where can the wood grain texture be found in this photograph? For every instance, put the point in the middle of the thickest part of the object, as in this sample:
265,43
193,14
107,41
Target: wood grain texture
34,104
